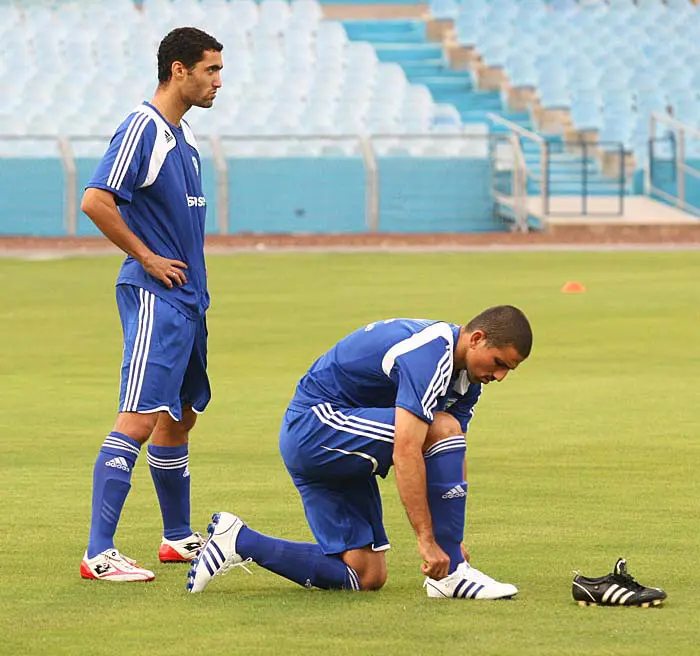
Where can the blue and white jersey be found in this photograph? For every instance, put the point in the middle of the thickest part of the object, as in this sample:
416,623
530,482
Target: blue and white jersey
153,169
406,363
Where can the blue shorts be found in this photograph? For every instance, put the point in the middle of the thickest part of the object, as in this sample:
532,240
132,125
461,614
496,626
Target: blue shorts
165,356
334,456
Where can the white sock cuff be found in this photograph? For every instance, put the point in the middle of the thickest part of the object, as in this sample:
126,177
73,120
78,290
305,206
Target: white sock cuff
458,442
167,463
114,442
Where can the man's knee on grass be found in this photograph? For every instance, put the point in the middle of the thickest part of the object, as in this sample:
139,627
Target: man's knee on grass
370,567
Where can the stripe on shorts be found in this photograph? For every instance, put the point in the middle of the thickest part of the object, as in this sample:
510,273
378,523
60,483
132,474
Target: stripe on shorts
139,354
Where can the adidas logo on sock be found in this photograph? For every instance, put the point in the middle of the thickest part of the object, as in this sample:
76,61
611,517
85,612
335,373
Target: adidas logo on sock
455,493
118,463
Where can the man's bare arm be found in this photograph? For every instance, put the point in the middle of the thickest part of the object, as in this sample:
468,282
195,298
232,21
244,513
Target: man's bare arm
409,467
101,207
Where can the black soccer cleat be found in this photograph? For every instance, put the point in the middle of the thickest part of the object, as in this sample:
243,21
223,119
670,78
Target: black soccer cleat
615,589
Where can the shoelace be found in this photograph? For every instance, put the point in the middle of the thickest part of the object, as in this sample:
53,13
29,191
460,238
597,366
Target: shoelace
228,566
628,580
478,575
116,557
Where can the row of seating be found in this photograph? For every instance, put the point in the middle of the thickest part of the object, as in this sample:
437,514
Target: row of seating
611,63
286,71
454,9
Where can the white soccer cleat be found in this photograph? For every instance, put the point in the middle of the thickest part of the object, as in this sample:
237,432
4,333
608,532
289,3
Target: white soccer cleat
467,582
110,565
219,552
180,551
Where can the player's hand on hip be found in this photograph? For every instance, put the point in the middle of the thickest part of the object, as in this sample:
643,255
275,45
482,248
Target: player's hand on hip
436,563
169,272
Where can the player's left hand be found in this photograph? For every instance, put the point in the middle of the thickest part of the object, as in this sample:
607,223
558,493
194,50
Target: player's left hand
465,553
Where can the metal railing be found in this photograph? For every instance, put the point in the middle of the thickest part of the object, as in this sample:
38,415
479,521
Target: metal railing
521,173
583,178
364,148
676,136
579,174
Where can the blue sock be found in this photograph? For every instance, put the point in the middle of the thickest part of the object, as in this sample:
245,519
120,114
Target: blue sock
447,494
301,562
168,465
111,482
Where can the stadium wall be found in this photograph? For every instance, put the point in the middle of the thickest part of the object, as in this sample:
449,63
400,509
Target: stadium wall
281,195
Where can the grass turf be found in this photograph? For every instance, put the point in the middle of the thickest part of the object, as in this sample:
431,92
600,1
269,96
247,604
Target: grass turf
586,453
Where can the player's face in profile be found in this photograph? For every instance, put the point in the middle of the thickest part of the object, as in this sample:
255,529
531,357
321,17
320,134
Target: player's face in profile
204,80
486,363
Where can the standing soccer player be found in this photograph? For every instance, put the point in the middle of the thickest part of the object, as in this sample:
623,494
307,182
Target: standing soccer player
146,197
399,392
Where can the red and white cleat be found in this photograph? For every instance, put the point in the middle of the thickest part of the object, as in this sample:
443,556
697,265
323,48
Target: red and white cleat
110,565
181,551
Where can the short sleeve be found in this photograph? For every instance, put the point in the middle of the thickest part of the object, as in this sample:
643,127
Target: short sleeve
125,164
423,375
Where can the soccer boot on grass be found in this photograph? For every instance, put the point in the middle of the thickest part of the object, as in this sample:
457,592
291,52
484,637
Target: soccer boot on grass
615,589
218,554
467,582
110,565
180,551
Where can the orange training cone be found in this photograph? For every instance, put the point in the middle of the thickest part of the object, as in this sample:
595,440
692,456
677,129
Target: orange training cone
573,287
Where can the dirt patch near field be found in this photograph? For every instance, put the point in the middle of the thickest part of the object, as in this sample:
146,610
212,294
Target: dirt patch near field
578,237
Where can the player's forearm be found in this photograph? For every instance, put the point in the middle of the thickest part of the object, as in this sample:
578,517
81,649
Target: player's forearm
103,212
409,468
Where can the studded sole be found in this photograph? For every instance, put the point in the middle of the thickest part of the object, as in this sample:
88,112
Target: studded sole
193,563
646,604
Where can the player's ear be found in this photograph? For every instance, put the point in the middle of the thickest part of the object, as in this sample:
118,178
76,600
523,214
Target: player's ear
178,71
476,337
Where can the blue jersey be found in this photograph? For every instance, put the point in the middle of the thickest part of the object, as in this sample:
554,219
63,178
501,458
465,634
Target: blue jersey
406,363
153,170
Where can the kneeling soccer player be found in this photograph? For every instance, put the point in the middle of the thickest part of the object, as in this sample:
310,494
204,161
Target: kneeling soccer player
399,392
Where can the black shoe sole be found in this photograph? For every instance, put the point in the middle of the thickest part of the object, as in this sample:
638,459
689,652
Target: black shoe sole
646,604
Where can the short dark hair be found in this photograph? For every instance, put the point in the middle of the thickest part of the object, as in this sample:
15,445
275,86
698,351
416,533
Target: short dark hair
186,45
504,325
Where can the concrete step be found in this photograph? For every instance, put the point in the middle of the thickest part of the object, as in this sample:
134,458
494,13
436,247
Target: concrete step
533,155
565,168
445,86
435,67
470,102
399,29
380,34
407,52
577,190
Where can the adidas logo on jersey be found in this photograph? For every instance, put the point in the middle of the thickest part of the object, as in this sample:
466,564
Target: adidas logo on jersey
455,493
118,463
168,137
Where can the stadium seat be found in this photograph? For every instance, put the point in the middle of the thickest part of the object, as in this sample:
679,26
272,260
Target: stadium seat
611,62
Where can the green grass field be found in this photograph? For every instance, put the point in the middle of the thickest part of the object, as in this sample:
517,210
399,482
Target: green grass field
590,451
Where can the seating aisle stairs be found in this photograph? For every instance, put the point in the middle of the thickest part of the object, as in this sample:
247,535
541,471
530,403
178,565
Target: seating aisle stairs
403,41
